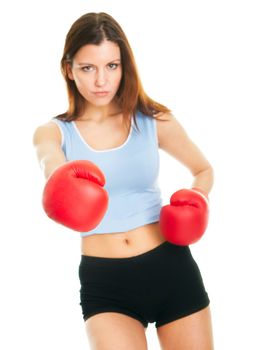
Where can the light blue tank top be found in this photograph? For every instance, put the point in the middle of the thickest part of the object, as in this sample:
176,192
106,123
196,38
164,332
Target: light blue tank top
131,172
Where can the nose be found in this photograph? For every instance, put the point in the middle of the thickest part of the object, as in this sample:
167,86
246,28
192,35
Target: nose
101,78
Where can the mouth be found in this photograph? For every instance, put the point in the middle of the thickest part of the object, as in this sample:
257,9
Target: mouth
101,93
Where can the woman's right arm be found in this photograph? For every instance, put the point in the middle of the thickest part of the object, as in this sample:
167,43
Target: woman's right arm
47,142
84,203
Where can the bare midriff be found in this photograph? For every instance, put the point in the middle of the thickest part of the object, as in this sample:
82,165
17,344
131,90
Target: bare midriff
123,244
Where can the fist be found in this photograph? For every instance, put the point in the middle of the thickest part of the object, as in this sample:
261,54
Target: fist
185,219
74,195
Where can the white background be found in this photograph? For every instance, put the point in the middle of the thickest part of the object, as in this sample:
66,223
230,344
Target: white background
206,60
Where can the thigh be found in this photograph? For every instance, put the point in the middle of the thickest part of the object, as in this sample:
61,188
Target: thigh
111,330
193,332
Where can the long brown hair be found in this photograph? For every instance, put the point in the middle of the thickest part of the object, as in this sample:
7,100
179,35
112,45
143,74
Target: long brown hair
93,28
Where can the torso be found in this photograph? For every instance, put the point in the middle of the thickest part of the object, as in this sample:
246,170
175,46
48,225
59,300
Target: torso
109,135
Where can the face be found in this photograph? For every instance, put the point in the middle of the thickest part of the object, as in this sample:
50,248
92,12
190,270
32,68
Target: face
97,72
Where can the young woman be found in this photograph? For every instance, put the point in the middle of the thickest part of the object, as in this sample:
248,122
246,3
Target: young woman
130,273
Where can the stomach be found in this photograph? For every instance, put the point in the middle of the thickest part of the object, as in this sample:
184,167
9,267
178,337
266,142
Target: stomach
123,244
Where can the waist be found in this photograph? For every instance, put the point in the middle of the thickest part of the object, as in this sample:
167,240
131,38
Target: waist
123,244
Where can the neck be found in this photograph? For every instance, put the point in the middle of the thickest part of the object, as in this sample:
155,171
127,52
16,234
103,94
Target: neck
100,114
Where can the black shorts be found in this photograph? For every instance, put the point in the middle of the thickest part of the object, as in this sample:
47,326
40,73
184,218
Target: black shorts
160,285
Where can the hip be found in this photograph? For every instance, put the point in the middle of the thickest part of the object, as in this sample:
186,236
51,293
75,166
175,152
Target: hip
166,265
160,285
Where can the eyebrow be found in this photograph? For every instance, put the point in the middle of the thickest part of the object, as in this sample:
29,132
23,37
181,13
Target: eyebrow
84,64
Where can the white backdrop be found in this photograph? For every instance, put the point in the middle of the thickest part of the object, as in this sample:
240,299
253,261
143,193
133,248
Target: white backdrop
206,60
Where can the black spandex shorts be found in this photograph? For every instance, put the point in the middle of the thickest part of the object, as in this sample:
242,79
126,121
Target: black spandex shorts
160,285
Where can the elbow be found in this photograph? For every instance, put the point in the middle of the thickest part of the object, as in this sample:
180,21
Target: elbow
206,170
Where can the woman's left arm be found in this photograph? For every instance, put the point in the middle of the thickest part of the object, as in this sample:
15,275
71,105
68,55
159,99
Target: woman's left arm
174,140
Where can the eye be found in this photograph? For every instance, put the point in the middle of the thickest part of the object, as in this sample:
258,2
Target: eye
87,68
113,65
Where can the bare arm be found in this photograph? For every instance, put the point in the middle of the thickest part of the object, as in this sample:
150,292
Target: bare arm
47,142
174,140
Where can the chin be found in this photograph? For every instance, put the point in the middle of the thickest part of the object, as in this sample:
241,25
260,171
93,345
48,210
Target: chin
102,102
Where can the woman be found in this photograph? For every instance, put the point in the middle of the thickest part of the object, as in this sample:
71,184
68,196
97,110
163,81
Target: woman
130,274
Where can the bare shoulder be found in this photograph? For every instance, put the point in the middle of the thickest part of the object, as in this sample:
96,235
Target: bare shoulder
168,126
48,132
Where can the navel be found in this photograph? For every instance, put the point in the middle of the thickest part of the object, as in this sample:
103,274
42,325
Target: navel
126,241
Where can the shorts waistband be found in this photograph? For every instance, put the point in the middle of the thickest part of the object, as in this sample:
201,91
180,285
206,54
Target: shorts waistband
151,252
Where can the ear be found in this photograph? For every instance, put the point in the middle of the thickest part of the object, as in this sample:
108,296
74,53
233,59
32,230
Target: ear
69,71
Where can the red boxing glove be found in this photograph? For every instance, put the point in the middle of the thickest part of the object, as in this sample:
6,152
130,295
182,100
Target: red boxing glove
185,219
74,195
